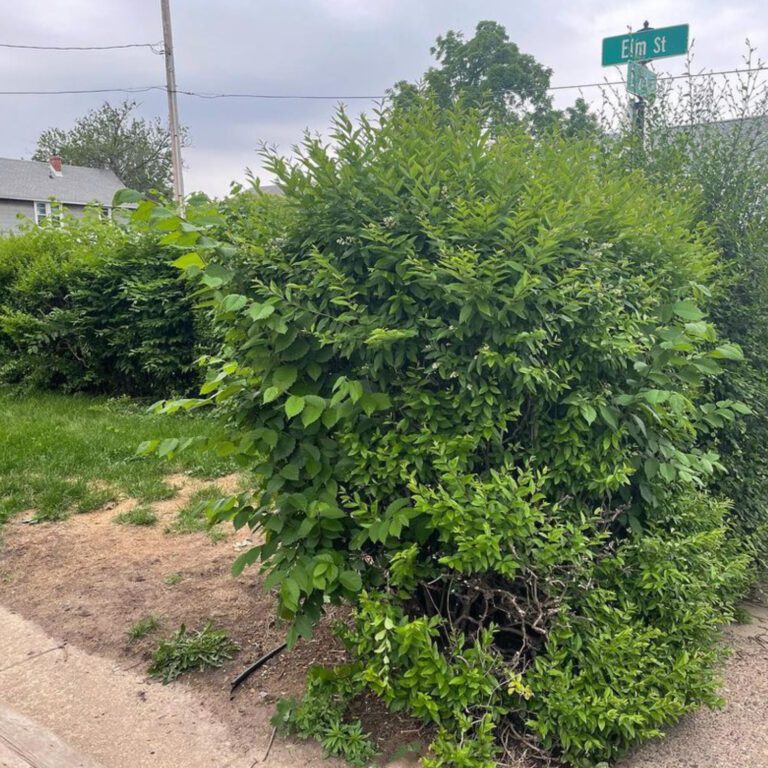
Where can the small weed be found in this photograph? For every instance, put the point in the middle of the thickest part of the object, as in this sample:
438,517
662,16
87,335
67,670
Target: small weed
173,578
186,651
348,740
191,518
148,489
312,719
143,627
137,516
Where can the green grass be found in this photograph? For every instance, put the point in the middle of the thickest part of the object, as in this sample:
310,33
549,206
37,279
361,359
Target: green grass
191,517
74,453
142,628
186,651
173,578
141,515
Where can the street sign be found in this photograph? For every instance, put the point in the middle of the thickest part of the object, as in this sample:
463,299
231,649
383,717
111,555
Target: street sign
640,80
645,44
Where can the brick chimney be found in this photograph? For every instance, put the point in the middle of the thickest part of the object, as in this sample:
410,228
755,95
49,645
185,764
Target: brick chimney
54,161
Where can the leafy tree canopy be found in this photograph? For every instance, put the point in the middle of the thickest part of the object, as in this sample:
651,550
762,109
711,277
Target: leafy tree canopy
136,149
490,73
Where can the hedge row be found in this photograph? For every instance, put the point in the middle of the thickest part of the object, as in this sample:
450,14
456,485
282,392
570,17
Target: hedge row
93,306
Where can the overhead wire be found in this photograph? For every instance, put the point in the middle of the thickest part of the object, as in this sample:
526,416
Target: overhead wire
137,89
155,47
360,97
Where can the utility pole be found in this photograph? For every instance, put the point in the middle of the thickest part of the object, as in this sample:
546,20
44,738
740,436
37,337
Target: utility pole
173,110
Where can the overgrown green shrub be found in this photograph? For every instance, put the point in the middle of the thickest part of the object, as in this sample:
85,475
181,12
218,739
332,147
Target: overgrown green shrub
90,306
473,375
706,139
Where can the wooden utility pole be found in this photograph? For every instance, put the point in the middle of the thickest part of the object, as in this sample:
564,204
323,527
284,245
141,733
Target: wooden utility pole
173,109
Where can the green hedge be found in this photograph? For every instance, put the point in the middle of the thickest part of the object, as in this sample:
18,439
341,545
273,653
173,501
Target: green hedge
474,376
91,306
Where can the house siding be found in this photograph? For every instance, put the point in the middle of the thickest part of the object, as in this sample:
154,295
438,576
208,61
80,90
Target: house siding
8,211
10,208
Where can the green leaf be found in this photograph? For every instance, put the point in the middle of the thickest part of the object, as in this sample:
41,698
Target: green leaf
651,467
234,302
284,377
260,311
147,447
167,446
656,396
126,197
313,409
667,471
247,558
215,275
189,260
351,580
609,416
270,394
374,401
289,594
588,412
728,352
687,310
294,405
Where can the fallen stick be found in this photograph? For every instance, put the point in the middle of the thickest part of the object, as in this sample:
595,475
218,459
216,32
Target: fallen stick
245,674
269,746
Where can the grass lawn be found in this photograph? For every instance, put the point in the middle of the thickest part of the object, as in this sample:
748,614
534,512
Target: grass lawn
73,453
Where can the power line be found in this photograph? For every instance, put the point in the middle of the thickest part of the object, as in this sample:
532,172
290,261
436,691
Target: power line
203,95
276,96
155,47
661,77
323,97
138,89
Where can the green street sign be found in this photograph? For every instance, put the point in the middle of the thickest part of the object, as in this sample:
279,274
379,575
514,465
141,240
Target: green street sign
640,80
645,44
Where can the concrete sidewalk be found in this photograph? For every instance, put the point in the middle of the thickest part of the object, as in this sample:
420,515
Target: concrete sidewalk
25,744
109,717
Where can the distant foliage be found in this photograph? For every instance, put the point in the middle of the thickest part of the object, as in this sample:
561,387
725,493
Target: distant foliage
90,306
708,140
474,374
490,74
137,150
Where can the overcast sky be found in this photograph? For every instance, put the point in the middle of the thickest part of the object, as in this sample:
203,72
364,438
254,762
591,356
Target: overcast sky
313,47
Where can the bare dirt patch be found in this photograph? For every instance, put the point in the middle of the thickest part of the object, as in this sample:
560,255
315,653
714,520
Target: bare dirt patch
86,580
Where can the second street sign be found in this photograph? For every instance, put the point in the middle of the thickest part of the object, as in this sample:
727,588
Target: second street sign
640,80
645,44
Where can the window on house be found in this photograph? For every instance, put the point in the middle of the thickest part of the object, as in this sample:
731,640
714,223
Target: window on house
42,212
45,210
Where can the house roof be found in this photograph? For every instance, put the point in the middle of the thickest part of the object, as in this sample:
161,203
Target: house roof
33,180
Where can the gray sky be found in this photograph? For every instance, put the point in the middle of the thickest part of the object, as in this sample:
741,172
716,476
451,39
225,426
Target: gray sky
335,47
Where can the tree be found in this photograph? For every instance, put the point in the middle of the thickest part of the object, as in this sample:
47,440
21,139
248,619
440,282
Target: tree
491,74
136,149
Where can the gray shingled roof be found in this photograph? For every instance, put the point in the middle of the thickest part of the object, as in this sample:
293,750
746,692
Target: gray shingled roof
32,180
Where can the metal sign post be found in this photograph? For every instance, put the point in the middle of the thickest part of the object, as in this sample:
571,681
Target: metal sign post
636,49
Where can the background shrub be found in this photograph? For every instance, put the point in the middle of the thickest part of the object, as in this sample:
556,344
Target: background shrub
475,377
707,141
90,306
